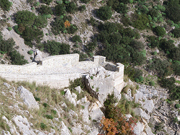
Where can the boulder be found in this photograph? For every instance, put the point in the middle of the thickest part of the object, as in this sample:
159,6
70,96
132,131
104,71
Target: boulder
71,97
78,89
138,129
143,114
28,98
37,55
148,105
64,129
23,125
95,111
101,82
11,126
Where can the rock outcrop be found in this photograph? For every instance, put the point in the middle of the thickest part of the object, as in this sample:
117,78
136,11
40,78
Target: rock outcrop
28,98
101,82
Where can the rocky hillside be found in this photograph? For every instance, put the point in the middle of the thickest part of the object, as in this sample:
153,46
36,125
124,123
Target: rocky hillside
141,34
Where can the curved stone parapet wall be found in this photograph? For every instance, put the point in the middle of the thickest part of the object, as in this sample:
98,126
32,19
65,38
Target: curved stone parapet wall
56,71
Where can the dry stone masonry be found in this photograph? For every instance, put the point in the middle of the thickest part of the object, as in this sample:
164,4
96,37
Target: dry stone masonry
56,71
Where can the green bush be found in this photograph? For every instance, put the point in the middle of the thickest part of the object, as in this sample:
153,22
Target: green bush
56,48
59,1
167,82
118,5
82,8
25,17
46,1
76,38
176,32
16,58
177,106
104,13
6,46
32,34
173,10
161,68
45,105
30,52
60,9
9,28
140,22
54,112
160,31
37,99
43,126
71,7
85,1
45,10
49,117
154,42
40,21
47,16
5,5
151,83
72,29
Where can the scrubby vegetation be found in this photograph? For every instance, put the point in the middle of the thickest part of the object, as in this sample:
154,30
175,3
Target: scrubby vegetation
5,5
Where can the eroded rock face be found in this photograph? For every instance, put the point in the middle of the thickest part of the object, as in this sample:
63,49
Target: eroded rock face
64,129
28,98
100,83
71,97
23,125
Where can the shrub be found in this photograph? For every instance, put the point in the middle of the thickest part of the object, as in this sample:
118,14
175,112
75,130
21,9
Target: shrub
45,105
71,7
16,58
82,8
72,29
49,117
77,82
154,42
40,22
32,34
140,21
85,1
167,82
176,68
30,52
37,99
161,68
60,9
160,31
43,126
104,13
9,28
173,9
151,83
56,48
6,46
176,32
76,38
54,112
45,10
177,106
25,17
5,5
46,1
36,4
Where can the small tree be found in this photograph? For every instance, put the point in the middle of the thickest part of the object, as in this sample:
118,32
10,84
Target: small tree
160,31
104,13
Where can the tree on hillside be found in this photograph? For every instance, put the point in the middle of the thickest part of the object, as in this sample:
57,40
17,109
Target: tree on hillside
104,13
173,10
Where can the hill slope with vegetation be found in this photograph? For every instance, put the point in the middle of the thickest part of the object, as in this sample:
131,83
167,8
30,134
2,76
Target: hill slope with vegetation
142,34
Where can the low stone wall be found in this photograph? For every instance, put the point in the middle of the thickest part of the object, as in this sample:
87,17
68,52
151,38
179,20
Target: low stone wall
56,71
